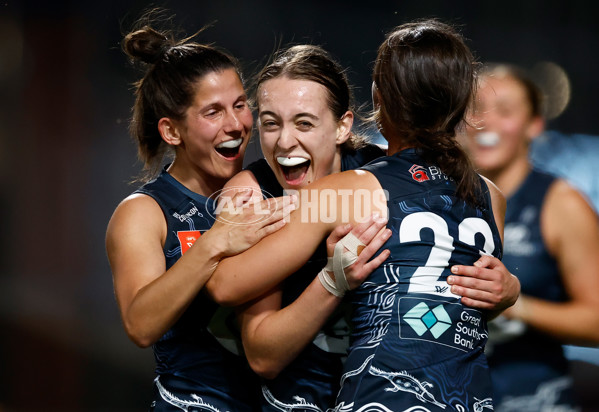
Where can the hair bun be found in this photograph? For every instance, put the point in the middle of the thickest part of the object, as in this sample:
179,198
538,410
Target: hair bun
146,44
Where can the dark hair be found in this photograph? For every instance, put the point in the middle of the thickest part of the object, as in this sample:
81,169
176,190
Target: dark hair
534,95
425,76
313,63
172,68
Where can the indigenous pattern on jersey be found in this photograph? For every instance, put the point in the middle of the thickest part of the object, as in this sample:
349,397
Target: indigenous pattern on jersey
528,368
311,381
194,371
414,345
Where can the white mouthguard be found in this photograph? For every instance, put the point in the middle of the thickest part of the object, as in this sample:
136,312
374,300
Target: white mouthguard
487,139
230,144
291,161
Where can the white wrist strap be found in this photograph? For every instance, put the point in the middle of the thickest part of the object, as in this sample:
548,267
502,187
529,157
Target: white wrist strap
338,262
329,284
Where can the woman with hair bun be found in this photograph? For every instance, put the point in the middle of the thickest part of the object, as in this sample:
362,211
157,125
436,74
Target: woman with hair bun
164,241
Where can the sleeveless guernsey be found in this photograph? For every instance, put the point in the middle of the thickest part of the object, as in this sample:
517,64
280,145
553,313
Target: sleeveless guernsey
415,347
311,381
528,367
194,371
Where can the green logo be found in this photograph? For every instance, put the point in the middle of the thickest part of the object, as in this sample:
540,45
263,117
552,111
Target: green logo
422,318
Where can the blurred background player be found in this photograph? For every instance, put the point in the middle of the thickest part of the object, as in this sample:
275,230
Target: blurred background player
551,245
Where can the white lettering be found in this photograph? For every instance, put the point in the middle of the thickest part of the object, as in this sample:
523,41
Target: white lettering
182,218
309,205
463,342
381,196
258,210
345,194
362,209
328,205
322,205
466,317
226,204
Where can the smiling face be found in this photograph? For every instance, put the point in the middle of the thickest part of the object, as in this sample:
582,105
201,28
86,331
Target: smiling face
216,128
299,134
502,124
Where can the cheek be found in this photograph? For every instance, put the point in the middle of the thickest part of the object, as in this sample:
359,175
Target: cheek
323,152
512,128
247,119
203,135
512,134
325,140
267,143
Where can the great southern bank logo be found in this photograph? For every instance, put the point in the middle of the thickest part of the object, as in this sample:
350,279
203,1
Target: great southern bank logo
422,318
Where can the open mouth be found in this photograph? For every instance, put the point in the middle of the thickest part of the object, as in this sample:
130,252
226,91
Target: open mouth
230,148
294,168
487,139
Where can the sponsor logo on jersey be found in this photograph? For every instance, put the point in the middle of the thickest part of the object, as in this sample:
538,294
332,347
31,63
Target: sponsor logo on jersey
422,318
418,173
421,174
187,238
193,211
444,323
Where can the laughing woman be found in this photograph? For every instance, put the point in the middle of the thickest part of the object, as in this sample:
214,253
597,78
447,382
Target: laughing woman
294,337
414,343
163,241
305,121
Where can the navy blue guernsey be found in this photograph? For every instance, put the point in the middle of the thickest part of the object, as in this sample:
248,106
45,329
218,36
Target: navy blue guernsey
414,345
194,370
311,381
528,367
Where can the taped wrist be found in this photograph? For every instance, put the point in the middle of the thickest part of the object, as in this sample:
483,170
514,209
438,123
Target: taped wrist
340,260
329,284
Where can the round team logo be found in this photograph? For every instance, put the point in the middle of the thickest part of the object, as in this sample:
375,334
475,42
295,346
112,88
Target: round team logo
228,207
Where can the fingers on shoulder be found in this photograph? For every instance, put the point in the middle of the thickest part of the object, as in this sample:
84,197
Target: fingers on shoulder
339,232
270,228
